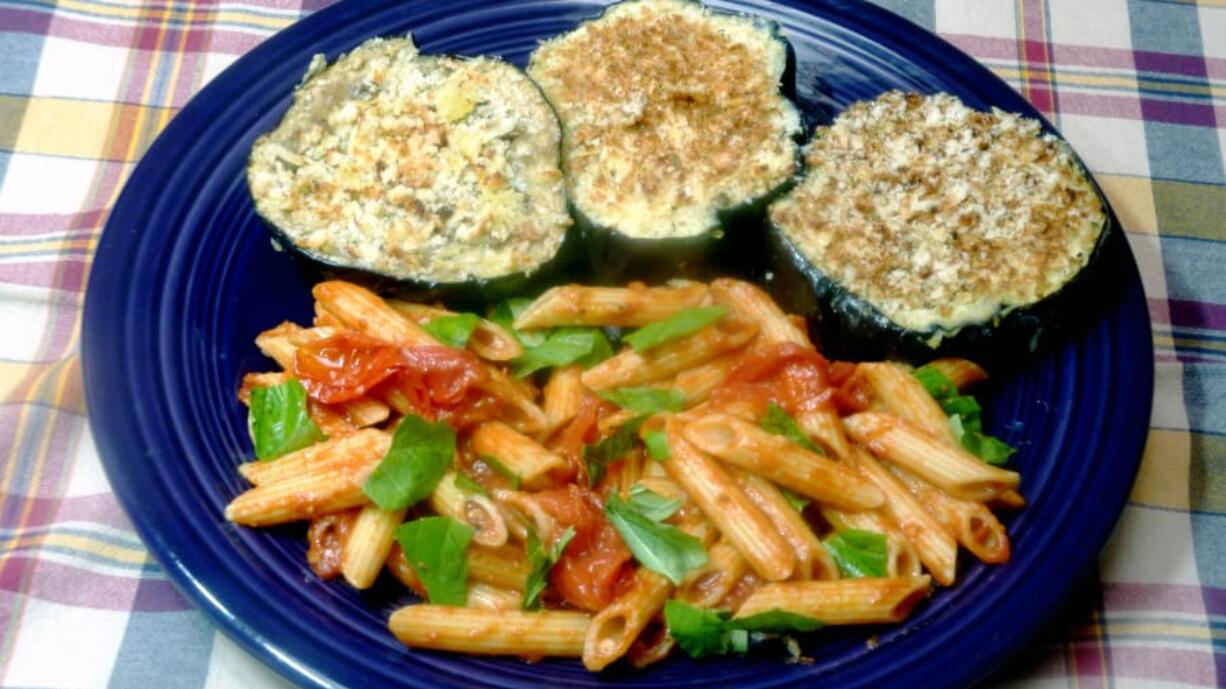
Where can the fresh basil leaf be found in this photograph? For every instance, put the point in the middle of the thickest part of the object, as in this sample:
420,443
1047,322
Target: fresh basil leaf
776,622
599,455
502,469
646,400
700,632
965,418
453,330
662,548
858,553
651,504
540,561
798,502
437,550
674,327
985,447
656,443
465,483
935,382
506,312
280,421
420,454
563,346
781,423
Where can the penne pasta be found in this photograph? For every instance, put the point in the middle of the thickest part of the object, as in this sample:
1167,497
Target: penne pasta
934,545
476,510
812,560
563,396
615,628
320,491
370,540
971,523
727,506
949,468
824,426
503,567
527,459
963,373
698,382
626,307
366,445
751,303
630,368
846,601
491,632
709,585
489,597
739,442
488,340
901,393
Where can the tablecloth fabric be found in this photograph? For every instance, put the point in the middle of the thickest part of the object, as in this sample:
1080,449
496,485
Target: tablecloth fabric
1138,87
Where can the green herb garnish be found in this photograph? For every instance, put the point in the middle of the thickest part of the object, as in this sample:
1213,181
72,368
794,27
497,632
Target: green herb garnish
702,632
453,330
651,504
656,443
598,456
563,346
421,453
465,483
779,422
662,548
646,400
280,420
502,470
540,561
674,327
858,553
965,417
437,550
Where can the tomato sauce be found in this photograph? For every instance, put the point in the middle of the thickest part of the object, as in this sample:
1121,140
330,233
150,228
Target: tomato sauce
596,564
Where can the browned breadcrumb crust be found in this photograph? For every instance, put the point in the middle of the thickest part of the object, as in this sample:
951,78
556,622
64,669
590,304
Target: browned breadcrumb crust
666,109
941,215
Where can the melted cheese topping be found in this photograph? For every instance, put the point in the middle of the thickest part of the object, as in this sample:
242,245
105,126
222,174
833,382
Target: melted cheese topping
940,215
418,167
670,113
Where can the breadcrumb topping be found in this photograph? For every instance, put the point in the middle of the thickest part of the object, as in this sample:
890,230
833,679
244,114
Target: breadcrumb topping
419,167
941,215
670,113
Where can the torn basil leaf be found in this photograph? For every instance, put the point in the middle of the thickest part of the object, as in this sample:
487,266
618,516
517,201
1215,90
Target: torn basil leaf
281,421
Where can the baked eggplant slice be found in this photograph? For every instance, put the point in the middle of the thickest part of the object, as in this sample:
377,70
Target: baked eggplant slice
676,132
923,227
436,176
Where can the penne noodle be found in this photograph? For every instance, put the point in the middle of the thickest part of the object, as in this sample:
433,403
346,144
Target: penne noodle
609,423
503,567
365,412
370,540
901,393
325,318
727,506
901,558
476,510
615,628
971,523
562,396
812,559
949,468
488,340
934,545
365,312
524,513
962,372
323,490
488,597
846,601
709,585
332,424
739,442
1009,499
751,303
365,445
626,307
527,459
698,382
491,632
825,426
629,368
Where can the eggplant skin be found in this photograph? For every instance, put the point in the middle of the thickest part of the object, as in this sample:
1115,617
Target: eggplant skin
428,176
736,232
848,327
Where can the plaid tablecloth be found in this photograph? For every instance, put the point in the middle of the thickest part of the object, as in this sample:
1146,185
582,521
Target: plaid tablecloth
1138,86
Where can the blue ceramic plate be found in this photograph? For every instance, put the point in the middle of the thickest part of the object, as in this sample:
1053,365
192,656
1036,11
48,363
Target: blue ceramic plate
185,277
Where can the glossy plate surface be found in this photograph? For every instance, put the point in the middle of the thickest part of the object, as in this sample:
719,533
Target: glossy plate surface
185,277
